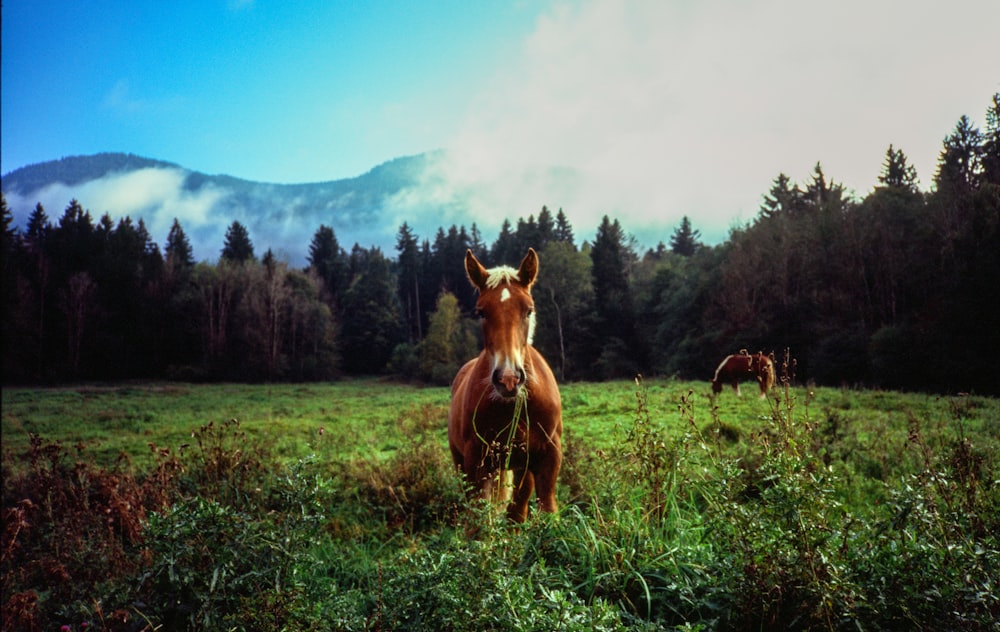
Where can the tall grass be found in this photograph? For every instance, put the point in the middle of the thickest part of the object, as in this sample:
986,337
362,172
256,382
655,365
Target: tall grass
681,512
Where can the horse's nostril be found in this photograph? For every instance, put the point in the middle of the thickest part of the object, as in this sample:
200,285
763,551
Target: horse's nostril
507,382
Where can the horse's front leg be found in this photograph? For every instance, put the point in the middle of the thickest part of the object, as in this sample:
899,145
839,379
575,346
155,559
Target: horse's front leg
546,473
524,484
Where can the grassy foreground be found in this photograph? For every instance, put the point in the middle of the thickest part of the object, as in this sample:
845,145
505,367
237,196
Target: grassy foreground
334,506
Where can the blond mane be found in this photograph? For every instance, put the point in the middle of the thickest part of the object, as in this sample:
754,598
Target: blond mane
502,274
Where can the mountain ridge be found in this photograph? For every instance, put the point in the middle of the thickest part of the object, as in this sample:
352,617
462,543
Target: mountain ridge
279,216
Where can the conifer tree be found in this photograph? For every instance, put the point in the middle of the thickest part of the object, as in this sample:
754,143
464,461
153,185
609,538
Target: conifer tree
612,259
505,247
896,172
546,229
408,280
563,230
179,254
372,326
991,143
327,260
237,248
960,160
684,241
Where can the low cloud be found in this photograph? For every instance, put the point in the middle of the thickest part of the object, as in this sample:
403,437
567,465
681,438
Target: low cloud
155,195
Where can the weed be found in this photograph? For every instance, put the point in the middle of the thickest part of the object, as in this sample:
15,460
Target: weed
879,513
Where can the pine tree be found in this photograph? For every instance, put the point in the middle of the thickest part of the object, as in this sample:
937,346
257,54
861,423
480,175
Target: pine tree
178,248
327,260
611,259
505,247
408,263
546,228
783,199
563,230
372,326
526,236
38,226
960,161
991,143
237,248
75,245
684,241
896,172
476,243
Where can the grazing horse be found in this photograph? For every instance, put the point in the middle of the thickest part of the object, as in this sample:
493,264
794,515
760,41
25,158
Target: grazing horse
744,366
506,413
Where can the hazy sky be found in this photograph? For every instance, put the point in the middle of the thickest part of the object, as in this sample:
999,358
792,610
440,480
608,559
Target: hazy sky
665,108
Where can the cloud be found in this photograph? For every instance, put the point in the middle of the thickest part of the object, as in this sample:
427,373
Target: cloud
666,109
156,195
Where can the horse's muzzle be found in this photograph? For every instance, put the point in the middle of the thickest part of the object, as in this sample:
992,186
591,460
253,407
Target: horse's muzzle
507,382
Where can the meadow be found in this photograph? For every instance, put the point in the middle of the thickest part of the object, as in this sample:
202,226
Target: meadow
144,506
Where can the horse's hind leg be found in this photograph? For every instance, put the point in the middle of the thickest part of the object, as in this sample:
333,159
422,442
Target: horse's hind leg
524,484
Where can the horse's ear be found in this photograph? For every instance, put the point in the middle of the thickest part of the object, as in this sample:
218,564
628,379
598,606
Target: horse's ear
528,271
477,273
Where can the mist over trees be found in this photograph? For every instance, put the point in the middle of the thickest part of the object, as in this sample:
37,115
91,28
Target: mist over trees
897,289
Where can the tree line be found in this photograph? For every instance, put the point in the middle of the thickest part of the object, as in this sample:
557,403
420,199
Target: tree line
897,289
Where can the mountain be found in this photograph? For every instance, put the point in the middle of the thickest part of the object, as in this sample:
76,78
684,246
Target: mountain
367,209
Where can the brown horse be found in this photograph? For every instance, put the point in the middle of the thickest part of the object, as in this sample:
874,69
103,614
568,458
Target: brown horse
506,413
744,366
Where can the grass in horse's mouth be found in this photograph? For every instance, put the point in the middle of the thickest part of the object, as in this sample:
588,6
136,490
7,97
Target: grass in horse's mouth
520,400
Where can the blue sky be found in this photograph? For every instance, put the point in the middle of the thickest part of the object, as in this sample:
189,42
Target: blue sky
665,108
272,91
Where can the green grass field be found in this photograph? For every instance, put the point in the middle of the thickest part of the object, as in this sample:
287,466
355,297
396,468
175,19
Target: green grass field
335,506
365,418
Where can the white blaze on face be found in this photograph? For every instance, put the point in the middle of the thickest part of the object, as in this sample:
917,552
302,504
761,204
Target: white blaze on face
508,362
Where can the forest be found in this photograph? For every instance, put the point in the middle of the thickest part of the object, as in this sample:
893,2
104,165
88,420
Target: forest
898,289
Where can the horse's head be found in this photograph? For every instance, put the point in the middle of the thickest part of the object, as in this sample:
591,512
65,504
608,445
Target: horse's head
507,313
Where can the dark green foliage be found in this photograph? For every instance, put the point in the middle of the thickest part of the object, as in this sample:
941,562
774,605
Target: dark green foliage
237,247
408,282
619,353
684,241
896,172
327,261
372,325
894,289
178,250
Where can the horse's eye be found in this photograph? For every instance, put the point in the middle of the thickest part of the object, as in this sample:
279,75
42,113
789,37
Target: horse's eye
531,310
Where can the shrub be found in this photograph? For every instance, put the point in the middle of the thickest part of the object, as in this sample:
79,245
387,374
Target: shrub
70,527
